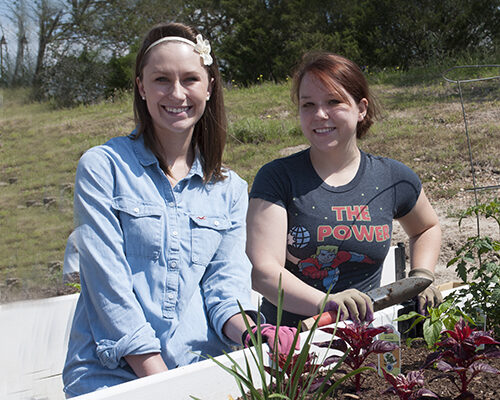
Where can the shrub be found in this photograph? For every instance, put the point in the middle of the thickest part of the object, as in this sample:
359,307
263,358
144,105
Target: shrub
74,80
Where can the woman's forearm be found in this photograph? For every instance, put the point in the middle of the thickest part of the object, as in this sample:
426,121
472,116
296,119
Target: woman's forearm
299,297
425,248
146,364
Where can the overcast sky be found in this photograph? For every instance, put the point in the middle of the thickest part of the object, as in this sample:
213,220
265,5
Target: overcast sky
9,30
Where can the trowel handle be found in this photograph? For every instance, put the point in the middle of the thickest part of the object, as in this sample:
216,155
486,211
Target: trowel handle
326,318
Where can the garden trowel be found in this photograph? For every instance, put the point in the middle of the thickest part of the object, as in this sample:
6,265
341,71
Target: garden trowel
382,297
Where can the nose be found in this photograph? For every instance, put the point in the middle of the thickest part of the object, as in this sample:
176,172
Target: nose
321,113
177,90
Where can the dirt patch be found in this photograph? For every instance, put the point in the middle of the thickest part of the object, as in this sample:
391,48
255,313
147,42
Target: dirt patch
485,386
453,235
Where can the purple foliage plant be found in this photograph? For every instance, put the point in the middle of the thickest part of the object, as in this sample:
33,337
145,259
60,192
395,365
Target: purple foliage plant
409,387
461,353
357,338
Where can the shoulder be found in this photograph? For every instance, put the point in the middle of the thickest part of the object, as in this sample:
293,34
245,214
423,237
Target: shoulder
285,165
105,159
234,181
113,147
388,165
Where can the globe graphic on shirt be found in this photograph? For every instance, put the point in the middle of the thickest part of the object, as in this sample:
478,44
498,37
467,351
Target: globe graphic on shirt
301,236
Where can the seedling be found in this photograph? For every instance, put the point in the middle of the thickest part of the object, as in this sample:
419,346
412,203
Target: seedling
408,387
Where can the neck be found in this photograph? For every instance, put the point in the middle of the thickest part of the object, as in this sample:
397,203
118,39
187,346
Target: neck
177,154
336,169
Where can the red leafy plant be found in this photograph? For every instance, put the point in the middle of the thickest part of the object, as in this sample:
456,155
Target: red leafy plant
357,338
409,387
461,353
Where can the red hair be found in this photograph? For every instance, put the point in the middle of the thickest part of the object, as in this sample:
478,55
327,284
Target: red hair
339,75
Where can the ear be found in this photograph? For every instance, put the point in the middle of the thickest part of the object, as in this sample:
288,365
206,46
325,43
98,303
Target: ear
140,86
363,109
210,88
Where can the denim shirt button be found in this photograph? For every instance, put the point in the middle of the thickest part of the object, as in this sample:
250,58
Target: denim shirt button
195,258
136,209
173,264
171,203
216,223
175,233
170,296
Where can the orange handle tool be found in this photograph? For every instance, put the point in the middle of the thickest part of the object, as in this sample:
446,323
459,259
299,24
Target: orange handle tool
326,318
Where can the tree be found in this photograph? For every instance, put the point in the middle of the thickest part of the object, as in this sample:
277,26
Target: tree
19,16
48,16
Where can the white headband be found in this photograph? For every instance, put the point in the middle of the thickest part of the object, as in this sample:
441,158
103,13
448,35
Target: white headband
202,47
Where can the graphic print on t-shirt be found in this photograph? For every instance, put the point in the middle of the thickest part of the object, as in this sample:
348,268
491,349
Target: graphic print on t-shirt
323,265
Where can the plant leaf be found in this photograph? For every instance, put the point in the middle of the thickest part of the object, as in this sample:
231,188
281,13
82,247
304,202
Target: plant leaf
425,393
477,367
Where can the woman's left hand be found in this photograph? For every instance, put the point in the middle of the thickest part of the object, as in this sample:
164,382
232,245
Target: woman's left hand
431,296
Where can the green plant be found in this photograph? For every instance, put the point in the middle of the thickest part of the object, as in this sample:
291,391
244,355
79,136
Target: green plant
291,376
478,265
445,316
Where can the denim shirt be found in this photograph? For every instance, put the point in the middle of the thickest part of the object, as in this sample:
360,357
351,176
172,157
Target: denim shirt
161,268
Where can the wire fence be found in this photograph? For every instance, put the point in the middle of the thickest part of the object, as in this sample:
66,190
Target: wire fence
460,82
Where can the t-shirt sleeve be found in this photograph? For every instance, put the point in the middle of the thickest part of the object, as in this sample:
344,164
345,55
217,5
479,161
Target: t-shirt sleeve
271,184
407,188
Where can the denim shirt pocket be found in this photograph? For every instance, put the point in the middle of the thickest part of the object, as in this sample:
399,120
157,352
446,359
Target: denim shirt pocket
206,235
141,223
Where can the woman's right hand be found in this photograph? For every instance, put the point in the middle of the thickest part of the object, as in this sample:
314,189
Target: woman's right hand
352,304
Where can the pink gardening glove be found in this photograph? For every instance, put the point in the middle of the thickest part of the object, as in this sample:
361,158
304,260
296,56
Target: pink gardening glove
286,336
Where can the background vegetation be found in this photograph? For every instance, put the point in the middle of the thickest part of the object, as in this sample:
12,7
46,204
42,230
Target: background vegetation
40,147
52,45
65,78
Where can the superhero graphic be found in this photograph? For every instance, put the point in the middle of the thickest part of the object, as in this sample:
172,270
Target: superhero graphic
324,264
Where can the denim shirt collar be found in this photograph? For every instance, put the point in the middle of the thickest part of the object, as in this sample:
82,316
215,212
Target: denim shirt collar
146,156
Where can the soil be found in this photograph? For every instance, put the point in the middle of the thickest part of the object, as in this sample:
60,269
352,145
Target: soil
485,386
453,235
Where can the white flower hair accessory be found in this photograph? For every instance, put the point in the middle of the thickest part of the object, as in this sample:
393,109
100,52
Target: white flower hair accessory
202,46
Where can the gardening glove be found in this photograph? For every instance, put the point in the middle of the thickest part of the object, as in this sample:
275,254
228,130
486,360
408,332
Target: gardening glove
285,335
352,304
431,296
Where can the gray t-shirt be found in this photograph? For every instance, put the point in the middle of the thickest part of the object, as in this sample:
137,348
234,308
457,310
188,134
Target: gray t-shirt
338,237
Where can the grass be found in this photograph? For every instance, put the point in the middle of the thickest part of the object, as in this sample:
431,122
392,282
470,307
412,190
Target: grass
422,126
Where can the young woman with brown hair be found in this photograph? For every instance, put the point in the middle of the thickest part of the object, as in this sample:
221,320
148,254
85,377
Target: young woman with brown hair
160,228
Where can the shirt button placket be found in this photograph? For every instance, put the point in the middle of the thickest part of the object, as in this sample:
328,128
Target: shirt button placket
173,246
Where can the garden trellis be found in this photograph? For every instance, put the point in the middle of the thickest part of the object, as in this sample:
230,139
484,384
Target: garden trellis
459,83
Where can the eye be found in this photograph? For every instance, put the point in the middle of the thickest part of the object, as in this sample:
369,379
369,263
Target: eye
161,79
307,104
192,79
334,102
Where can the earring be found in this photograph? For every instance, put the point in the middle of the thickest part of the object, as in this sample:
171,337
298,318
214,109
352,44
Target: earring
143,98
208,97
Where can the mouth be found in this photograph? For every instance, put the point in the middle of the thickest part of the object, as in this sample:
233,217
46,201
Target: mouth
324,130
176,110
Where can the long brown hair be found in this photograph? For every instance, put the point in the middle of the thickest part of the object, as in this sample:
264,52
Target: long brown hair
209,135
337,74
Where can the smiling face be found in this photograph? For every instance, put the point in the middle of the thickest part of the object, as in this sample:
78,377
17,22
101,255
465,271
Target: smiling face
326,119
175,86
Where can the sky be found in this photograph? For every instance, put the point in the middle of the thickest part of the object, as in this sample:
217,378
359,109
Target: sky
7,28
